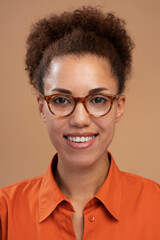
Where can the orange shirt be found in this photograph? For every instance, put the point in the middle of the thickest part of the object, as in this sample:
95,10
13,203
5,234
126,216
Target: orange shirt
126,207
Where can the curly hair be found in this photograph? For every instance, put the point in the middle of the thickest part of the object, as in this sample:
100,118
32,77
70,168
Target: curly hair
84,31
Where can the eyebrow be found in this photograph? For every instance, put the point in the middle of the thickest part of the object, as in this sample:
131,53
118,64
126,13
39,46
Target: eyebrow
62,90
95,90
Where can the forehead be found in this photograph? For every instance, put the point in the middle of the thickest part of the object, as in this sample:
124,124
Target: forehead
79,74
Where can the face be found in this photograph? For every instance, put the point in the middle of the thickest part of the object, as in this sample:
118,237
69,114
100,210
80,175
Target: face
79,75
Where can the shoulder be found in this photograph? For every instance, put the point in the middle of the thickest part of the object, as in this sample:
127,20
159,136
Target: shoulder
132,180
17,202
19,197
140,190
25,187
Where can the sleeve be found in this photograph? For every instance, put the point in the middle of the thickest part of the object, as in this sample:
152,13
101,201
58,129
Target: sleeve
3,217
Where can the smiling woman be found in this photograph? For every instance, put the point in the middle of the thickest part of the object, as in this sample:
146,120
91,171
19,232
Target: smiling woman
79,62
90,74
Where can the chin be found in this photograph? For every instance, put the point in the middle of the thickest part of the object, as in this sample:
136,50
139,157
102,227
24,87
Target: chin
80,160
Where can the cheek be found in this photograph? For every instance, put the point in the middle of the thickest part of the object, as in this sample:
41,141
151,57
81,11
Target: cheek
107,127
54,128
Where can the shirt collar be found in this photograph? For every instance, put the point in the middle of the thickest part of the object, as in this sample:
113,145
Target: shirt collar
50,196
110,192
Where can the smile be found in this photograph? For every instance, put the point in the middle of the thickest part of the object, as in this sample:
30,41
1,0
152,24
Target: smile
80,139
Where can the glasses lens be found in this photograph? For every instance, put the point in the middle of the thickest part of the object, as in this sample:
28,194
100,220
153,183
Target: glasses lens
61,105
98,104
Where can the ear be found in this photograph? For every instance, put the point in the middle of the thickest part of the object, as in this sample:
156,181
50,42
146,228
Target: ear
120,107
41,107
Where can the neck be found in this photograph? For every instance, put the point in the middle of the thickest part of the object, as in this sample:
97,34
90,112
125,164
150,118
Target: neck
74,181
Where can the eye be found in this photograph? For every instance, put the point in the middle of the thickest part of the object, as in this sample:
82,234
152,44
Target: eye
99,99
60,100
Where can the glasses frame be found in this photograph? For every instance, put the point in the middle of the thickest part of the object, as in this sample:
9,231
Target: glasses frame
82,100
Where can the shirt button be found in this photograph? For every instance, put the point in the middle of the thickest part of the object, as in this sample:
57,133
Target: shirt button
91,218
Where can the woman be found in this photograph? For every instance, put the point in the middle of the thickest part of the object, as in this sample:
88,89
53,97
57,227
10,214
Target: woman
79,62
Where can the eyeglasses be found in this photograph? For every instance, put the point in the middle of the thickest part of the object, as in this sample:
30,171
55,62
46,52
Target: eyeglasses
96,105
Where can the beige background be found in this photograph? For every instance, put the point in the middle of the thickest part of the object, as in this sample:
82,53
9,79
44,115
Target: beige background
25,150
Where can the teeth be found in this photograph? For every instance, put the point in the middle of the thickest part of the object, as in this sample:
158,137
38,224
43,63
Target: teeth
80,139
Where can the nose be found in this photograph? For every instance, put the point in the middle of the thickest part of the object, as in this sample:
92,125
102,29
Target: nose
80,118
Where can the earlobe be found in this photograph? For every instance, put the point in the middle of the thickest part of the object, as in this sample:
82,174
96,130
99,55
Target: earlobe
41,107
120,107
43,117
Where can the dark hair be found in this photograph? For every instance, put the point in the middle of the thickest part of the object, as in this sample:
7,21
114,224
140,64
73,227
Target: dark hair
85,30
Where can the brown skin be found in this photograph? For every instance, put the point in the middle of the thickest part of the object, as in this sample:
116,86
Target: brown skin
81,169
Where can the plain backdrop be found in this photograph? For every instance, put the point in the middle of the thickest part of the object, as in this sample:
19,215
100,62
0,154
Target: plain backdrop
25,149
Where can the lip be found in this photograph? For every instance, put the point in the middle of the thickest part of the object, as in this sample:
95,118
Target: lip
80,146
78,134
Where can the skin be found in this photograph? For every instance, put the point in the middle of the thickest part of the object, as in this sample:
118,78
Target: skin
79,168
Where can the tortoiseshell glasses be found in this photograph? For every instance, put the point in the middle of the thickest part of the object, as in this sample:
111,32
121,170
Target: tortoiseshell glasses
96,105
